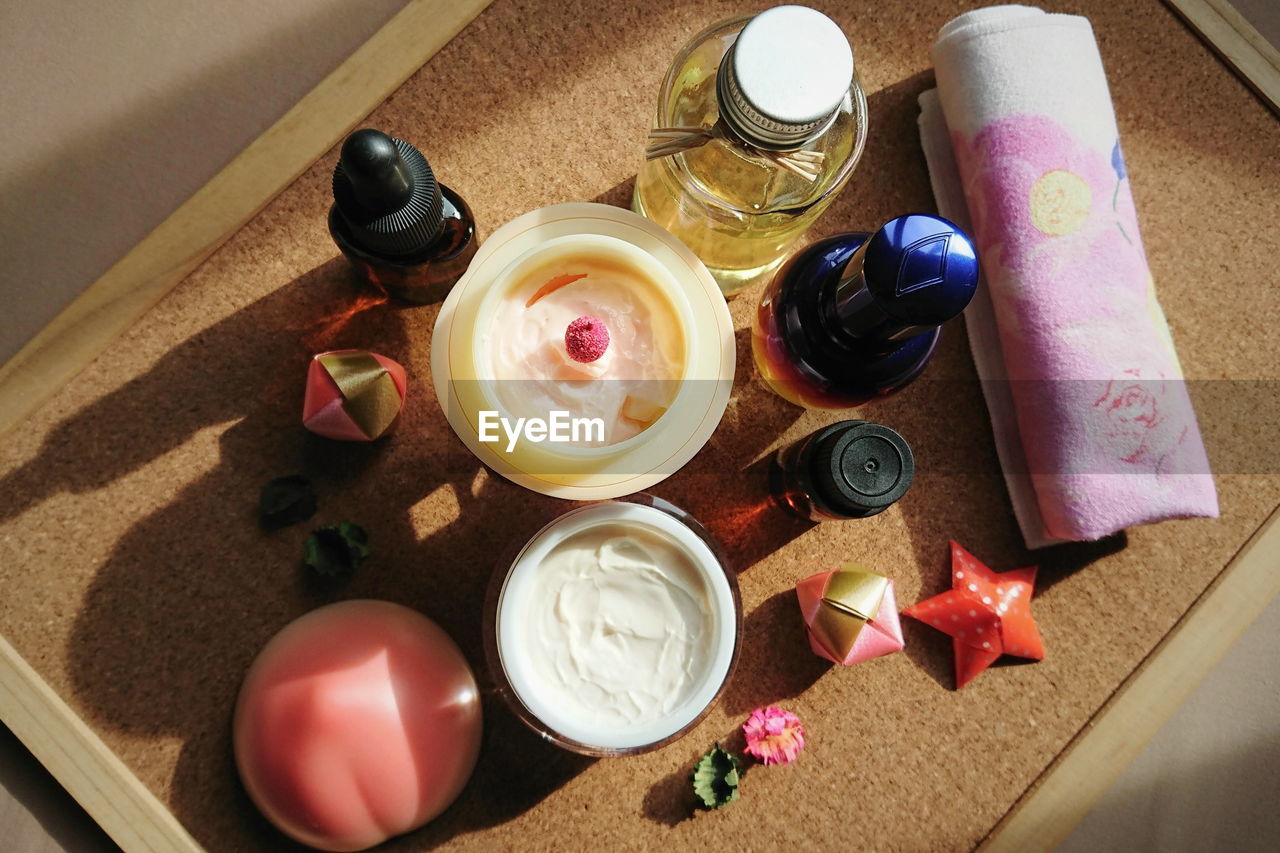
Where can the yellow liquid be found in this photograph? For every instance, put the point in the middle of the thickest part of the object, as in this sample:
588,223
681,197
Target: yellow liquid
737,211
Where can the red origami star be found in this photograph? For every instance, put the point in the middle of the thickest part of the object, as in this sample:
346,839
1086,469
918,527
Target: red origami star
986,614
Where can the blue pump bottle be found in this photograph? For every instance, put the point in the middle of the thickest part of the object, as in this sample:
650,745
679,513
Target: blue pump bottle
857,315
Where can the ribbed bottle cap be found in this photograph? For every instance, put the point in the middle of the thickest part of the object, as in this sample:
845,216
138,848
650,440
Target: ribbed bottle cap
861,468
921,269
783,79
387,194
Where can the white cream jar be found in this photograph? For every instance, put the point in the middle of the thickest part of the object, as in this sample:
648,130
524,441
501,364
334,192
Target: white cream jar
616,627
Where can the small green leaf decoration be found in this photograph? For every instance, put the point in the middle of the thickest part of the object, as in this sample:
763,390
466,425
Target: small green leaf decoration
715,778
336,549
285,501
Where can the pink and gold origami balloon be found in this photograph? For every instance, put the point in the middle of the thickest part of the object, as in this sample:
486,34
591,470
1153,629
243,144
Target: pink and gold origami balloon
851,614
353,395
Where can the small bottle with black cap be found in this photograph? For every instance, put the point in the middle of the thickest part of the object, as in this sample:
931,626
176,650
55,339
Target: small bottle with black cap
405,233
851,469
857,316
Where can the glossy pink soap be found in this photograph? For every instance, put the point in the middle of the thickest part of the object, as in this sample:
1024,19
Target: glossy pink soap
358,721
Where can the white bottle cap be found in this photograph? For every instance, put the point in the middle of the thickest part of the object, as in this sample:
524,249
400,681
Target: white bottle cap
782,81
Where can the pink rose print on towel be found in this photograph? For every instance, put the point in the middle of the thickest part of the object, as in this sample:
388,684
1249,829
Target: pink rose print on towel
1143,422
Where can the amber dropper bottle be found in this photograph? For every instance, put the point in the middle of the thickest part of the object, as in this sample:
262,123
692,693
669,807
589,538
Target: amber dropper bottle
851,469
404,232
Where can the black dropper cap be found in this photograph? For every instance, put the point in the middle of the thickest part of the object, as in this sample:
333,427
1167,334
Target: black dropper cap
860,468
387,195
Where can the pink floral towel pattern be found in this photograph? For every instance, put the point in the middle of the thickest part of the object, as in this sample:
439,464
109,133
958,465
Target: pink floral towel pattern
1095,379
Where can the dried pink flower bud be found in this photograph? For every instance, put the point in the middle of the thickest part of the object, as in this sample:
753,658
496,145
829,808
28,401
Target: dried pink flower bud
586,339
774,736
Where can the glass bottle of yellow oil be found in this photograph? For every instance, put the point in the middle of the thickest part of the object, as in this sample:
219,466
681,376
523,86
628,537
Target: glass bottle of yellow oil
760,123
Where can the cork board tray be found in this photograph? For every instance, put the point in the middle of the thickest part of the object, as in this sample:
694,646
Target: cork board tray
138,587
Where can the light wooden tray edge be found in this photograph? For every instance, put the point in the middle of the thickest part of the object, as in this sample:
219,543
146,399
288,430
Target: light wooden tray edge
83,764
1237,43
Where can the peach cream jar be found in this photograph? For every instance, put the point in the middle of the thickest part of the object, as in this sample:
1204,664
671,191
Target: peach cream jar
627,414
615,627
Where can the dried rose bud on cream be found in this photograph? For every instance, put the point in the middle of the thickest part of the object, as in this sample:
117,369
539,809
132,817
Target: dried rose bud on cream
586,339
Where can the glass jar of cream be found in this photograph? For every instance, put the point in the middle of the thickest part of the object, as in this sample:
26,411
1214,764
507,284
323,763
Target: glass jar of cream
586,354
615,628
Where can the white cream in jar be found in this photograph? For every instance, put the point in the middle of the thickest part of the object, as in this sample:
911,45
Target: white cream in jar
616,626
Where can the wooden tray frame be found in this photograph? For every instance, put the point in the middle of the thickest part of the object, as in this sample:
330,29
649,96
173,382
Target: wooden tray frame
138,821
1237,43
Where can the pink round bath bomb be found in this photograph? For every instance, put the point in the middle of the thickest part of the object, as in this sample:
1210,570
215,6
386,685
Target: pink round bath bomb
586,339
357,722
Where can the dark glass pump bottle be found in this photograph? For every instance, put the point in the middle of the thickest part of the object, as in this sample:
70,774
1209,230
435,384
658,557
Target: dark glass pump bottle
404,232
857,315
852,469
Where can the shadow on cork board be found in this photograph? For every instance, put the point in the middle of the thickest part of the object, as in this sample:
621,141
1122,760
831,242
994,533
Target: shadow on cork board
174,616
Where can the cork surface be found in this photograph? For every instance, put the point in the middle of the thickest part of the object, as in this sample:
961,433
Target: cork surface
137,582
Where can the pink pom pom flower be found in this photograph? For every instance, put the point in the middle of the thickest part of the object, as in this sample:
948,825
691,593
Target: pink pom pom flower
586,339
774,736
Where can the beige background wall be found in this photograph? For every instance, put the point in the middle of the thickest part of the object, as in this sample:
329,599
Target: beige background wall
1264,15
115,113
